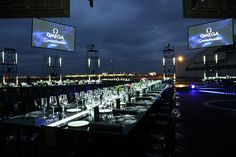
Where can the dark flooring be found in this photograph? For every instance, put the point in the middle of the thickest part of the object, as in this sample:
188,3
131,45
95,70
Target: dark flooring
207,131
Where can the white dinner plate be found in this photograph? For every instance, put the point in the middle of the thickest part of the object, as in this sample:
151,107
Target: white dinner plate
73,110
78,123
105,110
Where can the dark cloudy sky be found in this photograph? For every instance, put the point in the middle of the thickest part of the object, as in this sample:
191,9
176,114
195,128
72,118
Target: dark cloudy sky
130,32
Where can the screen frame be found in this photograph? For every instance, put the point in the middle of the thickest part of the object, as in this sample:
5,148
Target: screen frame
55,23
209,23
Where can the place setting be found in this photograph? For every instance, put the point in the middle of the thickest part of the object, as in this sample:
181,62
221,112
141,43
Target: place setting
73,110
78,123
125,119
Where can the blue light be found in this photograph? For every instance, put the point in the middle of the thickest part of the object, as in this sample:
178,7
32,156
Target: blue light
193,86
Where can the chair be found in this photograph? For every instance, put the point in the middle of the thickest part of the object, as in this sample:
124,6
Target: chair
19,140
162,141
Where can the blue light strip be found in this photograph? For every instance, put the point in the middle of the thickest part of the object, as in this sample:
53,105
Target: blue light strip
215,92
210,88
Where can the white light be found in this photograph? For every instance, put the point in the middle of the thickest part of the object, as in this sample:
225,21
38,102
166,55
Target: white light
3,80
89,62
193,86
204,75
60,61
173,60
3,57
99,62
164,61
217,74
16,59
216,58
49,61
17,80
49,78
69,118
204,59
213,92
60,77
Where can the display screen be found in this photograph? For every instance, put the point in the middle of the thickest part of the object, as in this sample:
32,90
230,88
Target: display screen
211,34
52,35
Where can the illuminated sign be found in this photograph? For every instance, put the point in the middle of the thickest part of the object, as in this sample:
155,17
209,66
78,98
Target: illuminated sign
211,34
52,35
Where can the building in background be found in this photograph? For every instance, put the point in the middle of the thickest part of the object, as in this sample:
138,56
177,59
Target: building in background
211,62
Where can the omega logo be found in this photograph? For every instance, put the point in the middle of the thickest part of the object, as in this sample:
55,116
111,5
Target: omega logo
209,33
55,31
55,34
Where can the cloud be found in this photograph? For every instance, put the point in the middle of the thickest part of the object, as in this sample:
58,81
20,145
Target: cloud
131,32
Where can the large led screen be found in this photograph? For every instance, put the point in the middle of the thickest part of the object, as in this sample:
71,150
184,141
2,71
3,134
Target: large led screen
52,35
211,34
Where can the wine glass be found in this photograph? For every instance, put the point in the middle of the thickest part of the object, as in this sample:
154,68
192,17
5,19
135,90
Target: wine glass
63,101
96,100
44,104
82,93
110,116
82,96
53,104
88,104
77,99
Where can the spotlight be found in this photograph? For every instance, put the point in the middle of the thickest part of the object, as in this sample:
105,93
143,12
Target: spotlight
180,58
193,86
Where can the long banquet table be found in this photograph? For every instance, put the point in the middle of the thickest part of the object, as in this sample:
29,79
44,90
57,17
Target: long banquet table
108,136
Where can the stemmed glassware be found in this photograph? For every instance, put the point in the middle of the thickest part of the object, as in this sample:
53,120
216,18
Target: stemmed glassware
110,114
89,102
53,104
82,97
44,104
77,99
63,101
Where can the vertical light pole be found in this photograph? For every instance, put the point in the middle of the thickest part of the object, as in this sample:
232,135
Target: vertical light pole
49,64
175,69
60,64
216,59
3,60
99,63
89,64
99,66
16,58
164,63
204,62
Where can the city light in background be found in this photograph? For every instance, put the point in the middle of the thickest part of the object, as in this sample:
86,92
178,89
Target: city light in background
180,58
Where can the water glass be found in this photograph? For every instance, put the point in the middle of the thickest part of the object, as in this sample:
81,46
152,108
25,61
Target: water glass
77,99
44,104
53,104
63,101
